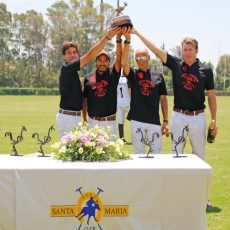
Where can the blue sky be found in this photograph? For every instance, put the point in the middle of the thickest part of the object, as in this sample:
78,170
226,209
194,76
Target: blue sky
167,21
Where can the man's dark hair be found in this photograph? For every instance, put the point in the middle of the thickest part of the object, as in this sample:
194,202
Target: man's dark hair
67,44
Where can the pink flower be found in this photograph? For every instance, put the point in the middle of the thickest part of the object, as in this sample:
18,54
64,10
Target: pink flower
101,141
67,138
84,138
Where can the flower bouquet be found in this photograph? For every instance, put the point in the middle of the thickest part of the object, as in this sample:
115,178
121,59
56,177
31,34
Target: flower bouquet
88,144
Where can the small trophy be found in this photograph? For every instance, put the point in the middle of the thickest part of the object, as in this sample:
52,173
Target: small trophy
15,141
121,20
144,139
180,140
43,141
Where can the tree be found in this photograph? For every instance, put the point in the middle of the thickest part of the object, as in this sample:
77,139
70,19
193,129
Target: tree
176,51
223,72
60,29
223,66
29,45
5,31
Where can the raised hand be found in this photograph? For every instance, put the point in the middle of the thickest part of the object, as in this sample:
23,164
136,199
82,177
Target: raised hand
126,32
112,31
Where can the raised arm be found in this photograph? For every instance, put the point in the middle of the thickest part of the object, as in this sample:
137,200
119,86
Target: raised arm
125,52
118,52
161,54
93,51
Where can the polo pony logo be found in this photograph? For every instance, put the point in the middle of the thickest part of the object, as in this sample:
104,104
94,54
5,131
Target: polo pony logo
89,205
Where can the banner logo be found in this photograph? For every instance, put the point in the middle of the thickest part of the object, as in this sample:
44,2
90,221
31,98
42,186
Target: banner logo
89,210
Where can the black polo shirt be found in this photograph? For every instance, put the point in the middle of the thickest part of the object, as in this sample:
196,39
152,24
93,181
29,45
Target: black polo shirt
146,89
189,83
101,93
70,87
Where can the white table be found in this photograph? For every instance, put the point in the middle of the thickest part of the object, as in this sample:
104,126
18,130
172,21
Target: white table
161,193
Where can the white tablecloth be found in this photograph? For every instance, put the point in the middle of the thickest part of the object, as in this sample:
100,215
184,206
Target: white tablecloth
160,193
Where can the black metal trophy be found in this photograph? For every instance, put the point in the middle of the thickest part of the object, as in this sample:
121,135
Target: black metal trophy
180,140
45,140
16,141
121,20
144,139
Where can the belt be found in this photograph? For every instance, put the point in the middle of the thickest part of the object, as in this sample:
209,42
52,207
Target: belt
189,113
68,112
109,118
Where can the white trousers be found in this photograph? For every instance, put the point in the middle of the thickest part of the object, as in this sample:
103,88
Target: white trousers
111,124
196,133
122,109
65,123
147,133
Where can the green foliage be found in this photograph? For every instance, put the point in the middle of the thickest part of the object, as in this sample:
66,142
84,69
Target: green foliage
29,91
30,45
221,83
176,51
223,67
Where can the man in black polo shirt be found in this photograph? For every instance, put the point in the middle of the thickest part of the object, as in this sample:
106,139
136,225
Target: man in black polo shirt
148,90
69,114
190,80
100,90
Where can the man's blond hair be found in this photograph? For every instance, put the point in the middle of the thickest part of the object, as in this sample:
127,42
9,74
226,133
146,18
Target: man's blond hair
190,40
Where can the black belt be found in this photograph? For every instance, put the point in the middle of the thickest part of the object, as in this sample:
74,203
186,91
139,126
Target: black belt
109,118
188,112
72,113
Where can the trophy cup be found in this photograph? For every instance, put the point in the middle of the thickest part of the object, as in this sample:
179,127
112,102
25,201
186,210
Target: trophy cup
121,20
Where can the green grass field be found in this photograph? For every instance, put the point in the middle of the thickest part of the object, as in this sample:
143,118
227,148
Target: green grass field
38,113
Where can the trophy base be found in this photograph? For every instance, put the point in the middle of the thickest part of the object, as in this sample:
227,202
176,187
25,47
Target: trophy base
121,21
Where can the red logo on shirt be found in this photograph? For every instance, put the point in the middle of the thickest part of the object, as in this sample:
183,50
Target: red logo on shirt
100,88
189,81
140,75
146,86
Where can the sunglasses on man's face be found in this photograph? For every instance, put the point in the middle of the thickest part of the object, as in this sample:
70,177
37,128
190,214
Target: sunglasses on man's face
141,58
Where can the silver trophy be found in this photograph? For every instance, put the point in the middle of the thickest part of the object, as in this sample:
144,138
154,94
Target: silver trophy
121,20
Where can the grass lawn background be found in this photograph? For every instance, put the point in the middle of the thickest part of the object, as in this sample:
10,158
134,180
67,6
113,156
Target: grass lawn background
38,113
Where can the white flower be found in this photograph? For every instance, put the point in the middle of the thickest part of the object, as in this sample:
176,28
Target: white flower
112,143
62,149
80,124
80,150
117,149
56,145
120,142
99,150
